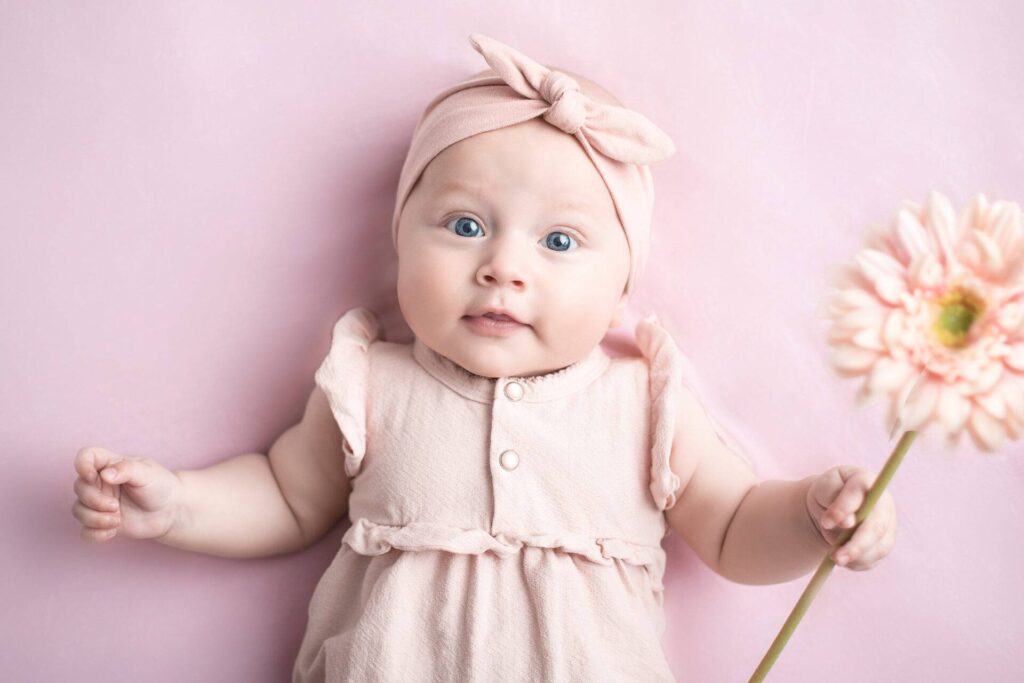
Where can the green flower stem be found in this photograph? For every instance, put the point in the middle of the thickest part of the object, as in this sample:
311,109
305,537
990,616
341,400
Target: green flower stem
825,568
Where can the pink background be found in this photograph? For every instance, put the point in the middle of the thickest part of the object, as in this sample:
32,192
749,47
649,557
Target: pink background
193,192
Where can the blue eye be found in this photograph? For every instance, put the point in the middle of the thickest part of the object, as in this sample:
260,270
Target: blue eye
464,226
560,240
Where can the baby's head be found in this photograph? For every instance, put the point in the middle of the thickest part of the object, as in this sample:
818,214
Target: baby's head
518,216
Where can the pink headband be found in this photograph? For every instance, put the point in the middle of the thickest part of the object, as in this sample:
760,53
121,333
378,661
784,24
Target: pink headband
620,142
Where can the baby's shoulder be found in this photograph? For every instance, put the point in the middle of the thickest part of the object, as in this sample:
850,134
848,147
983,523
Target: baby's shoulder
652,354
358,325
357,341
628,369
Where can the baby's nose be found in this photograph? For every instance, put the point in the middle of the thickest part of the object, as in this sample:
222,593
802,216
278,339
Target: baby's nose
512,283
507,263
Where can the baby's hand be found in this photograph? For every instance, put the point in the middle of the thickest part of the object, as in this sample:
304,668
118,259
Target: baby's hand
832,501
136,497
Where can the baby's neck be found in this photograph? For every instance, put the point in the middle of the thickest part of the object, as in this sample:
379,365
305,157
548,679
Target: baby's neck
532,376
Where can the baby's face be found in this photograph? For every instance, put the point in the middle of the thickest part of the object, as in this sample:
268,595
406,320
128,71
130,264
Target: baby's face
519,219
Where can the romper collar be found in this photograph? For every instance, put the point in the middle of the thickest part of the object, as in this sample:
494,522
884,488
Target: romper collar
536,389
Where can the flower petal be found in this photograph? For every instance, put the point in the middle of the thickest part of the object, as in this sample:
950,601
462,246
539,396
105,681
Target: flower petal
939,216
851,359
899,400
953,409
986,379
973,214
993,262
911,303
1014,428
971,255
1013,393
837,334
1015,359
869,338
993,403
926,272
1005,219
951,441
988,432
888,375
857,298
854,297
864,396
1010,317
913,207
875,264
1014,254
893,328
860,318
890,288
921,406
912,235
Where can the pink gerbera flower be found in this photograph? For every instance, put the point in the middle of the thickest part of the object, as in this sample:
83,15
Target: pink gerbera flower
941,299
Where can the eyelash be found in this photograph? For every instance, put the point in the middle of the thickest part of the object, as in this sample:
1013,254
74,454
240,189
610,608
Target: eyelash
461,216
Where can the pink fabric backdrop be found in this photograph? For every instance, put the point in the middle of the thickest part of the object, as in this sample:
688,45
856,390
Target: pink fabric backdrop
193,192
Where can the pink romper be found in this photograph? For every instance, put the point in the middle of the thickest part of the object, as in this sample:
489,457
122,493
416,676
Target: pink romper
503,529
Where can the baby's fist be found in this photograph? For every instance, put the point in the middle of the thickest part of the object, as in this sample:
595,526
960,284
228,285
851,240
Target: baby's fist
832,502
121,495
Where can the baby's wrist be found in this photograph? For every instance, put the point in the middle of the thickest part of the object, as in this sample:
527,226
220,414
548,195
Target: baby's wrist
176,509
817,532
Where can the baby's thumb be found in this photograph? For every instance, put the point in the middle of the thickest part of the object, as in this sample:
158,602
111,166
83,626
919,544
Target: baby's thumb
131,472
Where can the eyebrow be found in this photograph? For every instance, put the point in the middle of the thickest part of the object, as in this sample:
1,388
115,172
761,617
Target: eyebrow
573,205
455,187
565,204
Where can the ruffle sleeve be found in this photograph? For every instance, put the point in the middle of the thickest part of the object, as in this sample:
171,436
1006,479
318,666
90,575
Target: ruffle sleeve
666,366
344,377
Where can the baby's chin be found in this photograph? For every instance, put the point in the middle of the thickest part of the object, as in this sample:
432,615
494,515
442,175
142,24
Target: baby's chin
498,362
490,363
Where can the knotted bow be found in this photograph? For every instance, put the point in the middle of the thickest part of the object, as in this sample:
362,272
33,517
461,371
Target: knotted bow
618,133
618,141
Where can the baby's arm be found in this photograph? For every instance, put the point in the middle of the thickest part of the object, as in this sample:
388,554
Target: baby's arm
253,505
747,531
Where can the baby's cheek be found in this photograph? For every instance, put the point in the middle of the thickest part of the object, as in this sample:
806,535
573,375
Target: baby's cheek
429,288
601,286
411,294
578,321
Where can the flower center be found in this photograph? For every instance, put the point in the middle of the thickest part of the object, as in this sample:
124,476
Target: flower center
958,310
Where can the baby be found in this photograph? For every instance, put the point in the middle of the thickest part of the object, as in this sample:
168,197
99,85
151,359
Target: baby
509,483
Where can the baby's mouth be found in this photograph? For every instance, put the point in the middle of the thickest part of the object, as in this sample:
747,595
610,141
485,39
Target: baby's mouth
498,316
493,323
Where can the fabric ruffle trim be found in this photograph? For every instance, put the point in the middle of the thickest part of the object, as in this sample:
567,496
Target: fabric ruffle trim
344,377
371,538
666,371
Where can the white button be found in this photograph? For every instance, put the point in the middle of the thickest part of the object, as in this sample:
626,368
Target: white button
514,391
509,460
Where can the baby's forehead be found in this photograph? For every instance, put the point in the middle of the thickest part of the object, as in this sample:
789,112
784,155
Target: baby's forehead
535,151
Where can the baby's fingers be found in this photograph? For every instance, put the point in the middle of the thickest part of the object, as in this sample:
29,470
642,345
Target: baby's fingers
862,546
97,535
876,552
90,460
97,523
92,497
857,482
